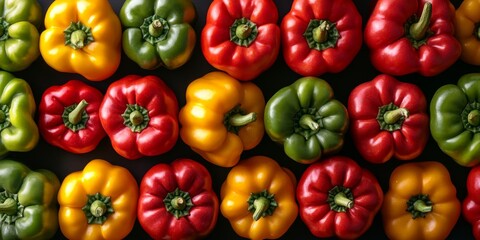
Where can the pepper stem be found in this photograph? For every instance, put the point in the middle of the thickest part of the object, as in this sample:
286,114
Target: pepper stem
9,206
474,117
98,208
78,39
243,31
307,122
261,205
155,28
320,33
178,203
76,115
393,116
420,206
341,200
239,120
419,29
136,117
78,35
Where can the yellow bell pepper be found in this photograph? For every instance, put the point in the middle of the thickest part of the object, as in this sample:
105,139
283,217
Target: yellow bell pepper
421,202
222,118
467,30
99,202
258,198
82,36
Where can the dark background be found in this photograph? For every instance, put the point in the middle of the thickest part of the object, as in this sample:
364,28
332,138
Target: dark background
41,76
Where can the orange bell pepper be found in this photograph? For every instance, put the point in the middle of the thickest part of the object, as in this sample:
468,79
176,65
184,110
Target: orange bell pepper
467,30
421,202
222,117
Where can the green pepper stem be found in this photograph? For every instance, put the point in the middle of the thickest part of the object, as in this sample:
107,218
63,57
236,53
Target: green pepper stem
78,39
320,33
341,200
9,206
307,122
155,28
98,208
474,117
243,31
392,116
136,117
260,204
420,206
75,116
178,203
239,120
418,30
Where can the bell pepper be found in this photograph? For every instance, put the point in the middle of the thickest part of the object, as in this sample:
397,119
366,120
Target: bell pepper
471,203
68,117
421,202
455,119
222,117
321,36
158,33
28,206
388,119
258,198
83,37
99,202
177,201
139,115
19,132
338,198
467,20
19,35
412,36
306,119
241,37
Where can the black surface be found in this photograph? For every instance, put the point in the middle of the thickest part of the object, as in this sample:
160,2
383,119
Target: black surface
41,76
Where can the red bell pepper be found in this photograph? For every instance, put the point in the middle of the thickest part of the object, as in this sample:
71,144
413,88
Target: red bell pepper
388,118
68,117
241,37
177,201
338,198
409,36
321,36
139,114
471,203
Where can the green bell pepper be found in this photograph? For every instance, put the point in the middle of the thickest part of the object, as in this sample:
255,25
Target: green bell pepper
18,130
158,32
306,119
28,202
19,36
455,119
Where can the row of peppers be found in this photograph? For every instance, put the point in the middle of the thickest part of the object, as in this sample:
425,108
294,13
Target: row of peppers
84,37
336,198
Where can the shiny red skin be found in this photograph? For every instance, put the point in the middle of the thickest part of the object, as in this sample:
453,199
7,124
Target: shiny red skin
312,192
51,126
311,62
471,203
377,145
153,94
390,50
242,63
189,176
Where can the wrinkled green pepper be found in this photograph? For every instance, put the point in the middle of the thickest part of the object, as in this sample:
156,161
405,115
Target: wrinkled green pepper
306,119
28,202
158,32
18,130
455,119
19,36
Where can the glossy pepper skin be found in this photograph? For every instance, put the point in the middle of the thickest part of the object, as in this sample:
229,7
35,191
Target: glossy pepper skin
69,118
19,132
82,36
412,36
471,203
467,19
27,201
19,36
99,202
258,198
222,117
321,36
388,119
241,37
455,119
338,198
421,202
306,119
139,114
158,32
177,201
